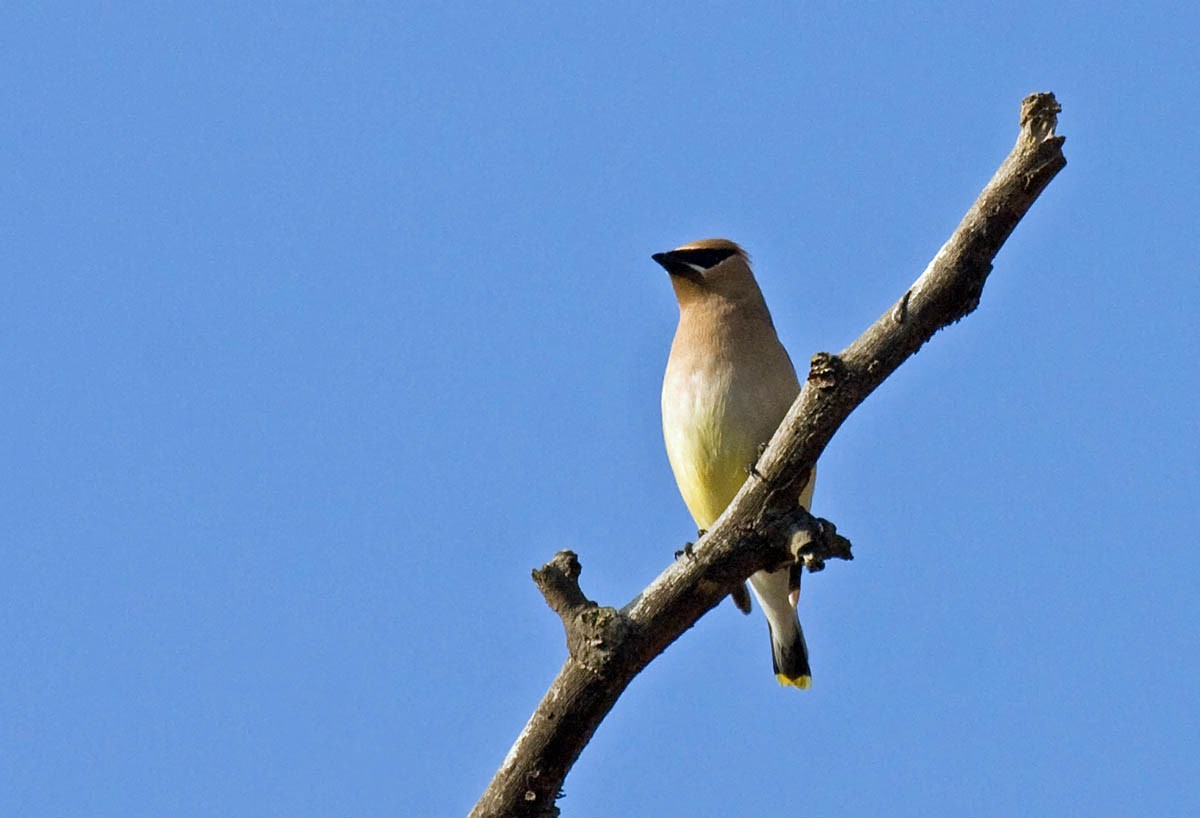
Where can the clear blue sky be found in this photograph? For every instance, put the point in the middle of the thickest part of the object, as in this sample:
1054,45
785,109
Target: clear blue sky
323,324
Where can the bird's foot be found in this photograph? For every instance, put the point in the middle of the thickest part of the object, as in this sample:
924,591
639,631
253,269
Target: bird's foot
686,551
752,468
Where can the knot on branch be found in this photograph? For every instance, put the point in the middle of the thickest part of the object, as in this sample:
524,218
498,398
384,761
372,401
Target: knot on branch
797,537
593,632
812,540
826,371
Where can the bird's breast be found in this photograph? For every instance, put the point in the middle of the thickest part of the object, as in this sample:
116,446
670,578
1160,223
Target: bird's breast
708,439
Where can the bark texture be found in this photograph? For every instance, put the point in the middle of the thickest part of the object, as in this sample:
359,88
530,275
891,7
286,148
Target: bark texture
762,528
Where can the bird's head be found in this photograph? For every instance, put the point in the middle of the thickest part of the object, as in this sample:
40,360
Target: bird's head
708,269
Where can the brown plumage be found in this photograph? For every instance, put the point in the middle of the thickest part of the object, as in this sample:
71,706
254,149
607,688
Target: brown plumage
728,384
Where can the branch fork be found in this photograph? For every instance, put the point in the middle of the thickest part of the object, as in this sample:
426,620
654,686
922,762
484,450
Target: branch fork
594,633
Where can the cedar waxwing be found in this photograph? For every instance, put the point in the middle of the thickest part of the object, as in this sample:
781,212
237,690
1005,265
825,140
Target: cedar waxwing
729,383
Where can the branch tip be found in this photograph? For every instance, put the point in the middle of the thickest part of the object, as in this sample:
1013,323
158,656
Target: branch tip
558,580
1039,118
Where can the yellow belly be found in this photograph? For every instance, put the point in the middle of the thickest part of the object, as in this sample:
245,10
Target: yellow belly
707,479
712,435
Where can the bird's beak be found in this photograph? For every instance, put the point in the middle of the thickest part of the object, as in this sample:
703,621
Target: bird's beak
671,263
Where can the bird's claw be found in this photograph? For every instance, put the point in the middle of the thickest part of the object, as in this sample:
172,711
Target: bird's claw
752,468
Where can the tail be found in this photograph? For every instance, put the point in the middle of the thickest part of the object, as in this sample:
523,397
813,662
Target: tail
776,592
789,655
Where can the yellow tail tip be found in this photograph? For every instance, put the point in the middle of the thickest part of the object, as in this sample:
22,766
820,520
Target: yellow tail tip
802,682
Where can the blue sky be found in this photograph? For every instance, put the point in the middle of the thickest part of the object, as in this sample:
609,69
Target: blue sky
325,323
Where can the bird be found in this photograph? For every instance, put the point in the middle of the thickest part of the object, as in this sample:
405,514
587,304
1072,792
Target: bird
728,384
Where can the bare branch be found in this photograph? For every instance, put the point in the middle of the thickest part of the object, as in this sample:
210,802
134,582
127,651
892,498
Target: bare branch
763,527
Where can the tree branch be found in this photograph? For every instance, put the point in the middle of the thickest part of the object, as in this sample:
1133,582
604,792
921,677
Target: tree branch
763,527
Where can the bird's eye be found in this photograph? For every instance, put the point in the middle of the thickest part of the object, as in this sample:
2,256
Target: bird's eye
702,257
